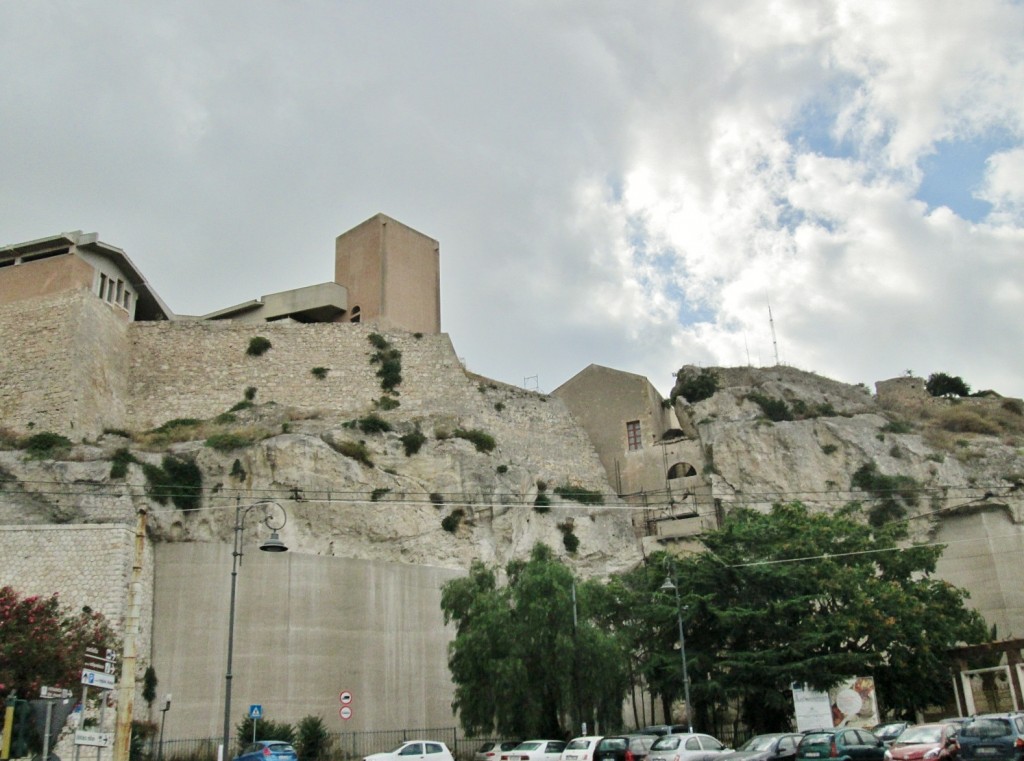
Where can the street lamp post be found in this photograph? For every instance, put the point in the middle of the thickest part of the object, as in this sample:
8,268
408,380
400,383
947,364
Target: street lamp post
163,719
672,583
273,544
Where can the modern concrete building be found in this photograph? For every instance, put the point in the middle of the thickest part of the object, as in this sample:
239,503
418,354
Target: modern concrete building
73,261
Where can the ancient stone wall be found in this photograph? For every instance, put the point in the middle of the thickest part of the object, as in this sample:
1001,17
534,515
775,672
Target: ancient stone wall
62,365
87,565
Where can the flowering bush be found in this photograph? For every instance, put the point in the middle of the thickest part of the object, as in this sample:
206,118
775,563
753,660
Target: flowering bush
40,644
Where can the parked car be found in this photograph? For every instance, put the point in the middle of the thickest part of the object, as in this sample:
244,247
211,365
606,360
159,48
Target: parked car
664,729
924,742
992,737
415,750
845,744
491,751
888,732
688,747
624,748
268,750
780,746
581,748
536,750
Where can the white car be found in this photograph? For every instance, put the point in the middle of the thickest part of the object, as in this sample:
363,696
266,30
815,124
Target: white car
415,750
491,751
536,750
686,748
581,748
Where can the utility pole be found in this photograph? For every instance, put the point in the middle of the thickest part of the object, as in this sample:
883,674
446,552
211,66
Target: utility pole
126,690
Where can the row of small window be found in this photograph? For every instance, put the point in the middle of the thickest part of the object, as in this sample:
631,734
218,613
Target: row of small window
114,292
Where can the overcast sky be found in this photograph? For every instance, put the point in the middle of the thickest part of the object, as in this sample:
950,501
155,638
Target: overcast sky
629,184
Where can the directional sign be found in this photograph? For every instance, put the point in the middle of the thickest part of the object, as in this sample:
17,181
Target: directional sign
99,739
107,667
255,711
102,654
98,679
54,693
345,712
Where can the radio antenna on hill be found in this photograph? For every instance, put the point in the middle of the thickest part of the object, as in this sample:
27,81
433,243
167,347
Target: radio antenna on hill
771,323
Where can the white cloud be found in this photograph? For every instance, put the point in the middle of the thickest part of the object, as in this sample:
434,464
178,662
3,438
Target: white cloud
625,185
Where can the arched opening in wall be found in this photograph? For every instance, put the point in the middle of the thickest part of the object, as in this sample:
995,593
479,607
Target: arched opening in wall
353,316
682,470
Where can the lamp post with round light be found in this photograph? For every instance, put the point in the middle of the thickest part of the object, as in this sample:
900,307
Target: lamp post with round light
672,583
273,544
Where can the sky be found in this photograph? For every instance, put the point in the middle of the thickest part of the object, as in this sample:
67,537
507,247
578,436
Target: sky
834,186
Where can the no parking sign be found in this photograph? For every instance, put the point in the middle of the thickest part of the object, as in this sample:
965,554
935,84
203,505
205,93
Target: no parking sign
345,698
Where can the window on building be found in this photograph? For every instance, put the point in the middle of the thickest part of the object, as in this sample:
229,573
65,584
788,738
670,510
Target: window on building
103,286
633,435
354,315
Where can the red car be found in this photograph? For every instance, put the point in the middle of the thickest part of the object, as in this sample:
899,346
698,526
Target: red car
924,742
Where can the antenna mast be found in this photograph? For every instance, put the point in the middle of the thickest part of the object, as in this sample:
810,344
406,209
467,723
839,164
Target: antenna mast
775,344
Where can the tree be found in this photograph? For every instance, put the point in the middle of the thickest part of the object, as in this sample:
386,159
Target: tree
941,384
149,683
41,644
790,596
518,664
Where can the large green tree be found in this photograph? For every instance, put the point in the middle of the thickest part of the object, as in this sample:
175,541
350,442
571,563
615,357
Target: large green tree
520,664
794,596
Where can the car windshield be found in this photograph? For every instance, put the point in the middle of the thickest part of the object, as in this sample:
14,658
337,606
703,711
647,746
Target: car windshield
669,742
613,743
919,735
578,745
759,743
985,728
888,730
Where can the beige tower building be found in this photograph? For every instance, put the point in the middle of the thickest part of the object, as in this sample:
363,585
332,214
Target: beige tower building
392,274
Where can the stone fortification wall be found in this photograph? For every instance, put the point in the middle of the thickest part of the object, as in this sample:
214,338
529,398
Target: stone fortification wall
200,369
87,565
62,365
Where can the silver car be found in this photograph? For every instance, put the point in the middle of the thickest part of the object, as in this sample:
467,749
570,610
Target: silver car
688,747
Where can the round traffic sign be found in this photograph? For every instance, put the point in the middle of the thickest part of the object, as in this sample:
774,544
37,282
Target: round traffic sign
345,697
345,712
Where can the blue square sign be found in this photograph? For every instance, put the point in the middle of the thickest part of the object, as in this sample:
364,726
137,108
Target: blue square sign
255,712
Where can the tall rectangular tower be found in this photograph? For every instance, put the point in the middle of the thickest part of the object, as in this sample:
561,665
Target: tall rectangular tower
392,274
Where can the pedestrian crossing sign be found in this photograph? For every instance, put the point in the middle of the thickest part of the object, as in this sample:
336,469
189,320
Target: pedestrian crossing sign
255,712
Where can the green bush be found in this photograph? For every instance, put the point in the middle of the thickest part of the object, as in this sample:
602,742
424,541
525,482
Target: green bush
579,494
450,522
373,423
387,403
829,448
378,341
542,503
176,479
120,461
226,418
268,729
571,542
45,445
499,406
893,494
501,469
897,426
390,372
258,346
483,442
313,741
413,441
695,386
237,471
245,404
179,422
319,372
226,442
376,494
436,498
775,410
354,449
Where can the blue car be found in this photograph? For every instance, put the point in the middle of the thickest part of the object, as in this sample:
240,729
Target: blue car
268,750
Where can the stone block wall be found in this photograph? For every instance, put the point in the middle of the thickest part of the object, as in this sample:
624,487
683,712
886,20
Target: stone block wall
62,365
86,565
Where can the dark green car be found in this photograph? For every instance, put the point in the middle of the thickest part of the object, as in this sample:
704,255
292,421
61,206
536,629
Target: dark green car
841,744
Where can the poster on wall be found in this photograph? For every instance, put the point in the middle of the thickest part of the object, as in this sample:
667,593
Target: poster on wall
850,703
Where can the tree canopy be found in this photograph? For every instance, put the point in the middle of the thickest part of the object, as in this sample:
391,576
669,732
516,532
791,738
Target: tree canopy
41,644
942,384
520,666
